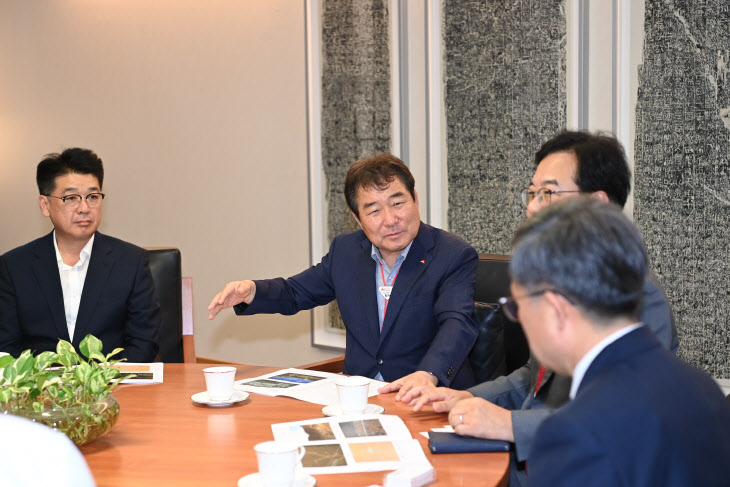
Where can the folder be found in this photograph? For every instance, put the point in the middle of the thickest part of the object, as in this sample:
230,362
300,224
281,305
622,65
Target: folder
441,442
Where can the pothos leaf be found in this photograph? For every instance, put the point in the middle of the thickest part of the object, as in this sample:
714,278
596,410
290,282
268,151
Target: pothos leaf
5,360
90,345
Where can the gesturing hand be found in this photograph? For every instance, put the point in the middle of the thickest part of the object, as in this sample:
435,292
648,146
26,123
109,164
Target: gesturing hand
234,293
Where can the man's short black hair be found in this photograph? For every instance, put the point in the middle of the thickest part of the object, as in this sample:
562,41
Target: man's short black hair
586,250
70,161
376,172
602,164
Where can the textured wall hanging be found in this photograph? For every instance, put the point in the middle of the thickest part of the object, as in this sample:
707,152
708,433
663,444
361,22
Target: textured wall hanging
355,104
682,161
505,94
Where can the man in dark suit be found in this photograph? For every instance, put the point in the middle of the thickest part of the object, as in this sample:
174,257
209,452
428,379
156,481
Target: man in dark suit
512,407
405,290
76,281
639,416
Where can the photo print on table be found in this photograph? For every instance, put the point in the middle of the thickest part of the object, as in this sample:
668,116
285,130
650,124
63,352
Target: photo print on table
378,451
329,455
267,383
298,378
318,432
362,428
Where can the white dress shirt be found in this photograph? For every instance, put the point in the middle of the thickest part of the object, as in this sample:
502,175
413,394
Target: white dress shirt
72,282
390,274
582,366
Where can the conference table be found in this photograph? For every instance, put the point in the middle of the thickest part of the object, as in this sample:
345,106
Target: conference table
163,438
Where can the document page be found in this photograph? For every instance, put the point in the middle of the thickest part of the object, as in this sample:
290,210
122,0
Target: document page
144,373
306,385
348,444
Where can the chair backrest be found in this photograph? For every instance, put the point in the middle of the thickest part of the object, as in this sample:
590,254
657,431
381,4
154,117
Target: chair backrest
501,345
167,275
187,321
492,278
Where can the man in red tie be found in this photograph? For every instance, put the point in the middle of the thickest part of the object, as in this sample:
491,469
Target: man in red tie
513,407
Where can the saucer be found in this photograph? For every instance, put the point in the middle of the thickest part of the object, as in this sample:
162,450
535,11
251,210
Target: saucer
254,480
202,398
334,410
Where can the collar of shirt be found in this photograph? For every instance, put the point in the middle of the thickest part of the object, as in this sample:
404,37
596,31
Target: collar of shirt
582,366
375,254
83,256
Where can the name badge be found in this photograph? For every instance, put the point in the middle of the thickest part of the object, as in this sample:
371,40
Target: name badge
385,291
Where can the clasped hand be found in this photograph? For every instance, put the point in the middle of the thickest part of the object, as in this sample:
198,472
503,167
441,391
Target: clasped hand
468,415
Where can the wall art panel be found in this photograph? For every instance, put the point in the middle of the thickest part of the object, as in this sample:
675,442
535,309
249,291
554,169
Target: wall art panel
355,93
505,94
682,169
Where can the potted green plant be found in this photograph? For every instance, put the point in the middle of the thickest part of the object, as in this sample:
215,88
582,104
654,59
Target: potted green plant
62,389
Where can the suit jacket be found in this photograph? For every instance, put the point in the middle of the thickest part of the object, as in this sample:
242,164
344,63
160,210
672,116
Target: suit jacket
516,391
428,324
641,417
118,304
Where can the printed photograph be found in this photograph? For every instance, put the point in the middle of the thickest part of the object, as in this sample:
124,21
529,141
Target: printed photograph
132,369
381,451
137,375
362,428
319,431
298,378
267,383
323,456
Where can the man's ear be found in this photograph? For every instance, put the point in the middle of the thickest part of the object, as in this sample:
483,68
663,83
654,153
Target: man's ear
356,218
415,196
601,196
563,309
43,204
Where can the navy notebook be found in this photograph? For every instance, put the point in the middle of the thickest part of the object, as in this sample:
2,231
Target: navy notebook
439,442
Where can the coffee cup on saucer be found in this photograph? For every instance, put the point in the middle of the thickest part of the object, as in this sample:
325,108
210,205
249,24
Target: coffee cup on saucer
219,382
278,461
353,394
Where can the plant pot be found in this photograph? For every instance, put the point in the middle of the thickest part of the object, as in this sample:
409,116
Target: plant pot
82,424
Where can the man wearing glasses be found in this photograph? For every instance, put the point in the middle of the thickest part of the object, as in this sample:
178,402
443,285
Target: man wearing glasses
638,415
513,407
76,281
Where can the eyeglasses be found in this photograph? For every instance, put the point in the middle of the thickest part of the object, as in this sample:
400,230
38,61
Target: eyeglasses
510,308
543,195
73,201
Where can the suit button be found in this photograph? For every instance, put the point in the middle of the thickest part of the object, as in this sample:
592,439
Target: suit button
451,371
380,361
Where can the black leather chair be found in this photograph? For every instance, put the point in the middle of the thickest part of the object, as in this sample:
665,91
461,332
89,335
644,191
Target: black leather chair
166,272
501,346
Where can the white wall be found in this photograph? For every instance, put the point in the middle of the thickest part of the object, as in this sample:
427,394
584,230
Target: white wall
604,70
198,111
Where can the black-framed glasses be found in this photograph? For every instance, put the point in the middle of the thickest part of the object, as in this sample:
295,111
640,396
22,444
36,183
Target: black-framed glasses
543,195
73,201
509,304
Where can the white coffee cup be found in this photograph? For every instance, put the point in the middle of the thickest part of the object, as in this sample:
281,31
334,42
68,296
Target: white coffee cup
219,382
278,461
353,394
